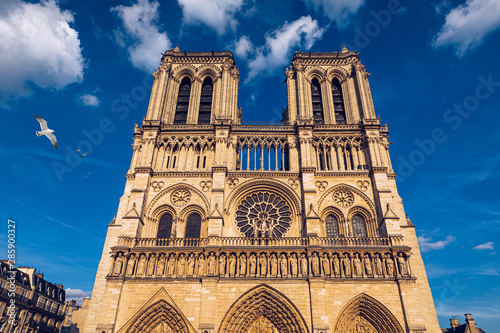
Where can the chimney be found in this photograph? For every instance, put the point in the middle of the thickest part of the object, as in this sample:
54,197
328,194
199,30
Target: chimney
470,320
454,323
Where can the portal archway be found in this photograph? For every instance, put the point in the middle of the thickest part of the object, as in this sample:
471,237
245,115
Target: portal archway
263,301
365,314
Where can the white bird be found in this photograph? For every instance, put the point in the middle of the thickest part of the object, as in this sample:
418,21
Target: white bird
46,131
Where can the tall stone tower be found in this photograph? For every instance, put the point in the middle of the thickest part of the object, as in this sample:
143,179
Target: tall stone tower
229,228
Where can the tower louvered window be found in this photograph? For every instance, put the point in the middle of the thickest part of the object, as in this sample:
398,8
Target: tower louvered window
206,101
181,111
338,102
317,103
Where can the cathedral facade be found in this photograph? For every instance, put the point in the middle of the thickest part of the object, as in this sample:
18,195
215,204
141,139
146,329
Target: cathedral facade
229,228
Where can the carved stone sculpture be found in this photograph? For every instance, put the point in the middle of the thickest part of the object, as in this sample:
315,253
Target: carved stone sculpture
303,265
315,264
293,265
325,263
201,265
403,268
171,265
253,264
118,265
368,265
336,265
141,266
161,265
211,264
151,265
378,266
232,265
274,265
181,265
243,265
130,265
222,264
263,264
190,265
390,266
347,265
357,266
284,265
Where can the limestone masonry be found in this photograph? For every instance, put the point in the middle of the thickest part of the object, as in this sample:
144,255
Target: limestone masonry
226,228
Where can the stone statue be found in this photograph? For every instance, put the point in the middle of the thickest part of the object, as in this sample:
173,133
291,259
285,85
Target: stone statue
390,266
368,265
190,265
284,265
151,265
161,265
403,268
243,265
232,265
274,265
141,265
303,265
181,265
315,264
378,266
325,263
222,264
171,265
357,266
130,265
253,264
293,265
201,265
347,265
118,265
211,264
336,265
263,264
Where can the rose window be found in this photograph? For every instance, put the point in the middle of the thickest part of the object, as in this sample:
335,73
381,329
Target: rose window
263,214
343,198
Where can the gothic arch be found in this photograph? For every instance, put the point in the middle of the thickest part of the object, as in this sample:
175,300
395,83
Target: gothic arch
366,311
207,70
364,198
160,198
184,70
338,73
315,72
266,301
159,310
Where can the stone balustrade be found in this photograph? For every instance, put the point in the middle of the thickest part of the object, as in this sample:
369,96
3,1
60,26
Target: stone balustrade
325,242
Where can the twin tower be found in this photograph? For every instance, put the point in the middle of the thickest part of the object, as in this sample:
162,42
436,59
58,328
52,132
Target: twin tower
231,228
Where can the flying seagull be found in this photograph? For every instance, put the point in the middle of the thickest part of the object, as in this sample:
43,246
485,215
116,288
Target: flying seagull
46,131
84,154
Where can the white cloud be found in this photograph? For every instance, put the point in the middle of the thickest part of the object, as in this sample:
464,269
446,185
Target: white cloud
339,11
77,294
276,52
426,245
243,47
467,25
216,14
142,35
485,246
37,45
89,100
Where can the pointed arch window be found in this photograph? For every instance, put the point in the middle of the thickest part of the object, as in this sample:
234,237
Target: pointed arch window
165,226
193,226
317,103
338,102
181,111
358,226
207,89
332,226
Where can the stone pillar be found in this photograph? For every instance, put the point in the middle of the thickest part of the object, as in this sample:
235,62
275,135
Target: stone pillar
291,89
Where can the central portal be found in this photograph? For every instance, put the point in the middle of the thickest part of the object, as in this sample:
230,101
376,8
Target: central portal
262,325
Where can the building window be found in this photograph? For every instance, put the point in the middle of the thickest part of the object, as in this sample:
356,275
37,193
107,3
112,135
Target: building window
317,103
338,102
332,226
193,226
181,110
165,226
358,226
206,102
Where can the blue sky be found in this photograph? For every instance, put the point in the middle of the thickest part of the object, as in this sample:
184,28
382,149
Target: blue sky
80,64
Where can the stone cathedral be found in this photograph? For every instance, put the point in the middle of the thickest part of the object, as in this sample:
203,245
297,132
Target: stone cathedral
232,228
